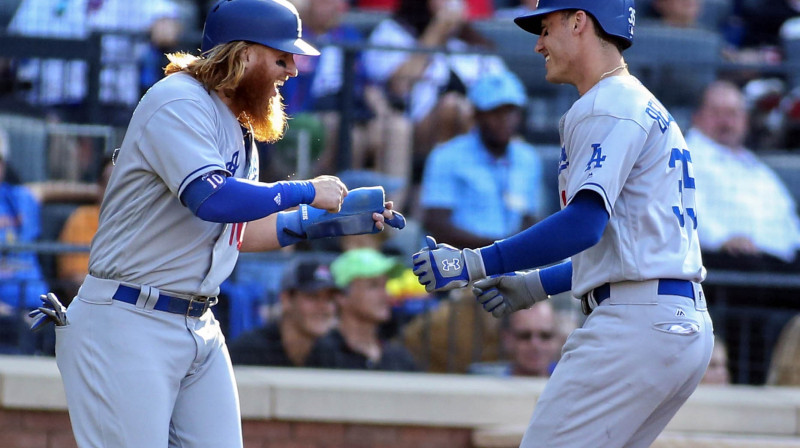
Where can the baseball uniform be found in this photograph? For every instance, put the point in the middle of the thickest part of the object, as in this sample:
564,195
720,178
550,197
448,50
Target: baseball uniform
135,376
644,349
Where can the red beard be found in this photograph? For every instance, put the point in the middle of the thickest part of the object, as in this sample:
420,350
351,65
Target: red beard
253,103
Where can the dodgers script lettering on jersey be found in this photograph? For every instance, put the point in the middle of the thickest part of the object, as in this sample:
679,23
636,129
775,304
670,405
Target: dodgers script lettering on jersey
622,151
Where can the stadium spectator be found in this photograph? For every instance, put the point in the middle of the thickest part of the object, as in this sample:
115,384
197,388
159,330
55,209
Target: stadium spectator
79,229
307,312
476,9
677,13
531,340
430,83
524,7
61,86
484,185
453,334
363,305
381,135
21,279
718,371
784,369
749,225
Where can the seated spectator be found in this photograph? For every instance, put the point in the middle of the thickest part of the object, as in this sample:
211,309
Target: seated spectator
61,85
677,13
531,340
525,7
429,84
747,218
79,229
484,185
453,334
363,305
476,9
784,370
718,371
307,312
381,135
21,279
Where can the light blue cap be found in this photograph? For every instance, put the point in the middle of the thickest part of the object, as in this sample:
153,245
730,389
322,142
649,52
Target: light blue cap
497,89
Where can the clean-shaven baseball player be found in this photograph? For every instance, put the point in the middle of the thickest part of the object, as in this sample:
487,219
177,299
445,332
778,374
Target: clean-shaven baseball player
142,358
627,221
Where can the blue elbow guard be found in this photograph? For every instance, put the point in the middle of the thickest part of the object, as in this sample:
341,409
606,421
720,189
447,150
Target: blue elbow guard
354,218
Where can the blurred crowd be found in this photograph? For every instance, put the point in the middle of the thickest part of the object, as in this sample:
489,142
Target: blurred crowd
410,95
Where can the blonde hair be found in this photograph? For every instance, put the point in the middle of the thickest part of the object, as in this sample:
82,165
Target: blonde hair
220,68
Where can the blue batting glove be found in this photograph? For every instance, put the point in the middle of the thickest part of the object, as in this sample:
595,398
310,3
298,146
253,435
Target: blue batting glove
441,267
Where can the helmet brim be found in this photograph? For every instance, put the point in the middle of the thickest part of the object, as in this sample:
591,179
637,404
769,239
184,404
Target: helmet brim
300,46
532,23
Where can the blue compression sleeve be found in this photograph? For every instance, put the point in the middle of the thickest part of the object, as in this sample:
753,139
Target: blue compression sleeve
217,198
557,278
563,234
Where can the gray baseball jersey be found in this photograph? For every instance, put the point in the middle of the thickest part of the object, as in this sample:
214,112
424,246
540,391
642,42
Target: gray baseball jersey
168,247
634,156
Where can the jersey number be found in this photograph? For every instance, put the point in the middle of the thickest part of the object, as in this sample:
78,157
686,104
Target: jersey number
685,186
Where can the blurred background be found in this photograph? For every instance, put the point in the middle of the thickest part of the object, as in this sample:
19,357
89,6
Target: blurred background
402,97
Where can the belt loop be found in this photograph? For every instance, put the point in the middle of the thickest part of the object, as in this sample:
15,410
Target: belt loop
144,297
151,302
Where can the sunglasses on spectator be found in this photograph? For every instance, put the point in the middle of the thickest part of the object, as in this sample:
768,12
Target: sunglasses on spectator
527,335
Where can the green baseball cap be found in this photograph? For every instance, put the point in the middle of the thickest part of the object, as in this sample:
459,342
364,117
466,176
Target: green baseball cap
362,263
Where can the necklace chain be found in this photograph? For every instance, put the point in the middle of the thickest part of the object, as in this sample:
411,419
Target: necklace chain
624,65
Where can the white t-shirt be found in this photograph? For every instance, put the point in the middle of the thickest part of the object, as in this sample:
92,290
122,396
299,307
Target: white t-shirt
381,64
620,142
64,82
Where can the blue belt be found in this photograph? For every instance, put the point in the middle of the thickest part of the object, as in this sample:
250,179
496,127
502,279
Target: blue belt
666,287
188,307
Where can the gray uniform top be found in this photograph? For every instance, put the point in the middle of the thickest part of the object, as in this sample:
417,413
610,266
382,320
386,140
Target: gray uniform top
146,236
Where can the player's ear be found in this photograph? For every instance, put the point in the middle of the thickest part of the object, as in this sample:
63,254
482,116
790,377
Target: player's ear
579,20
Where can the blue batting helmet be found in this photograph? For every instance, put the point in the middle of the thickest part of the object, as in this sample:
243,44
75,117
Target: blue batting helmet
616,17
272,23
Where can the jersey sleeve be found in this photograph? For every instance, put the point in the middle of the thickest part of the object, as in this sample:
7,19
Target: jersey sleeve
180,143
602,152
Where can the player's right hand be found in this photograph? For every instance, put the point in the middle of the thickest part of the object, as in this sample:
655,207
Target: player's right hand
441,267
329,193
502,295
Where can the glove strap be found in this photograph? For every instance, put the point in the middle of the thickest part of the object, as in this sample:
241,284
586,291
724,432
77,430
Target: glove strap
474,264
289,228
533,284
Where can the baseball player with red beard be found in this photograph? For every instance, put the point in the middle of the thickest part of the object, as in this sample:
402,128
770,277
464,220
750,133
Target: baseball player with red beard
628,226
142,358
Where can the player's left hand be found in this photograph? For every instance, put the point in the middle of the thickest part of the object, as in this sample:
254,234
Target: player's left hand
389,216
441,267
51,311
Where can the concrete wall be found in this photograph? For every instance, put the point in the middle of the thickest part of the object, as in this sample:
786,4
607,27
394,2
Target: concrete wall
303,408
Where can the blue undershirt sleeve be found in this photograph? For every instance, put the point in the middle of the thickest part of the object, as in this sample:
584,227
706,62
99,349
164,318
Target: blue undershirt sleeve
563,234
557,278
215,197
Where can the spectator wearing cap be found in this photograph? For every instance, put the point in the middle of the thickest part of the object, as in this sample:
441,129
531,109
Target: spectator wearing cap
308,311
364,305
486,184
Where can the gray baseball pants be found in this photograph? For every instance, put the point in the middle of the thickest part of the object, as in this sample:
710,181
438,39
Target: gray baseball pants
626,372
137,378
